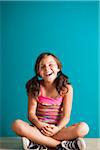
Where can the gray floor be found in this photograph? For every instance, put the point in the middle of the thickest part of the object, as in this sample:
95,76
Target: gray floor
15,143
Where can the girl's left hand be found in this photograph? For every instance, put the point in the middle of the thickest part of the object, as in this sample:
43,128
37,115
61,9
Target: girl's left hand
55,129
50,131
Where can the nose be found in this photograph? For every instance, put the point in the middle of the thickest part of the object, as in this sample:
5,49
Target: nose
47,67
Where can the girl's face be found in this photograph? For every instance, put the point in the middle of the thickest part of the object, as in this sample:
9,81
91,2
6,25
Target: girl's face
48,68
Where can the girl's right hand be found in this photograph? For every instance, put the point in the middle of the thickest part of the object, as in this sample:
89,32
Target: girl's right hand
45,128
50,130
42,125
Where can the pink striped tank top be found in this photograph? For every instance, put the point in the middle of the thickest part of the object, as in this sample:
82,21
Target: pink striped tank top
49,110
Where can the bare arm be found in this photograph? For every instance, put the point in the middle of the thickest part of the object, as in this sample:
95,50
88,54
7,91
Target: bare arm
67,106
32,105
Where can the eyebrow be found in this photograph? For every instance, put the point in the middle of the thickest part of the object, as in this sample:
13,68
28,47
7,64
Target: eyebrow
49,63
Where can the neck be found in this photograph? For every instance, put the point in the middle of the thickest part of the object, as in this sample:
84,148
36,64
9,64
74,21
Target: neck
48,85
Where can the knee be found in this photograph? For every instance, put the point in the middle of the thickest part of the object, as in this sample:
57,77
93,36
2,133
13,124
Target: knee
82,129
17,126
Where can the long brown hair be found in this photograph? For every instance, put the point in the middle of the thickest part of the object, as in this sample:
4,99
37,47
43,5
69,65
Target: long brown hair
33,85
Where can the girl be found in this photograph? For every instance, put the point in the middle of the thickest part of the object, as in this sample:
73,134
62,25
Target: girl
49,108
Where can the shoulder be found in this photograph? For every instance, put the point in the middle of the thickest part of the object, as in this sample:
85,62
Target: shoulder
69,91
70,88
31,99
68,96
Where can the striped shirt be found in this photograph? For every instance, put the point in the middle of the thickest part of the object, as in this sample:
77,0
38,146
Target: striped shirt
49,110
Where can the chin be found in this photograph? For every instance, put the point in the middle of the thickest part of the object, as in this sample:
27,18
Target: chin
50,81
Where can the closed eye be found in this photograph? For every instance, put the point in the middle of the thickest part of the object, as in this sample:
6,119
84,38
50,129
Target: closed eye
42,66
51,65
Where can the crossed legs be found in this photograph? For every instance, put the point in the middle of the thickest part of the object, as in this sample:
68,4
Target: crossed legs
22,128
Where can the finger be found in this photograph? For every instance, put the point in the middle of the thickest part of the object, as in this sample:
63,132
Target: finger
46,129
45,132
45,126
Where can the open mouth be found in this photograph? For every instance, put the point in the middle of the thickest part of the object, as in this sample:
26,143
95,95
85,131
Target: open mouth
49,74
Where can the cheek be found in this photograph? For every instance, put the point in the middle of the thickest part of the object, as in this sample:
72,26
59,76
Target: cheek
40,72
56,69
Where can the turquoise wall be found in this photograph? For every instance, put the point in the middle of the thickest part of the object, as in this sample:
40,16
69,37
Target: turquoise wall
0,69
69,30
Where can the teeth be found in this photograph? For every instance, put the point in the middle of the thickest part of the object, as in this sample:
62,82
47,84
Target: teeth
49,74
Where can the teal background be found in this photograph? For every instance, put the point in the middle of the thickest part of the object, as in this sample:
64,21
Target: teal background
70,31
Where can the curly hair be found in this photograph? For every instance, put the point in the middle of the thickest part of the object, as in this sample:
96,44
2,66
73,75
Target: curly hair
61,81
